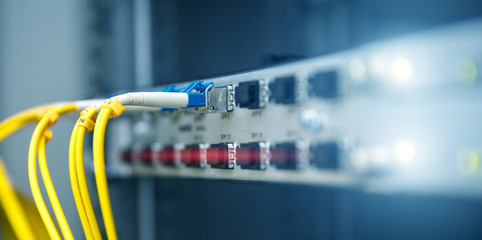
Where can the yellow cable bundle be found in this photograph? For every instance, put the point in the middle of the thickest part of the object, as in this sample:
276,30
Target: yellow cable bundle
111,108
38,141
13,207
8,197
77,173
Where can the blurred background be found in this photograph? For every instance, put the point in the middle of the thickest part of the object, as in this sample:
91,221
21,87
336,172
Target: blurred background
66,50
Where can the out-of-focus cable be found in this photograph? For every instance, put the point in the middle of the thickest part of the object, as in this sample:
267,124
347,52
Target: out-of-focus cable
48,120
13,208
75,186
59,213
14,123
99,163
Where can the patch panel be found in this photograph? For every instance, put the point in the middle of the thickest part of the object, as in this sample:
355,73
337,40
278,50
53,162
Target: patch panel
236,104
384,97
233,105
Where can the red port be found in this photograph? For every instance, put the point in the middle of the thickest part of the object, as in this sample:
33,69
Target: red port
248,156
144,156
166,155
191,155
127,156
217,155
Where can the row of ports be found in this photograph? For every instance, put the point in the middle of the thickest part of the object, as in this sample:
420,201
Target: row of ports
288,89
254,155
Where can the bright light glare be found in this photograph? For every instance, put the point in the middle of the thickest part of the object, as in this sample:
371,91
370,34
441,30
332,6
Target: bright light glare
358,158
357,70
404,151
466,71
379,156
469,161
402,69
474,162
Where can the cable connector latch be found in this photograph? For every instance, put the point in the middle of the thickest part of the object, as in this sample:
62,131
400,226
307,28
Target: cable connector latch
196,100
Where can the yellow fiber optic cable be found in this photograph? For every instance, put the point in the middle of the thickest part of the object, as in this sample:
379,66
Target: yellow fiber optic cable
12,124
13,208
49,119
8,126
111,108
85,123
59,213
75,187
32,173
